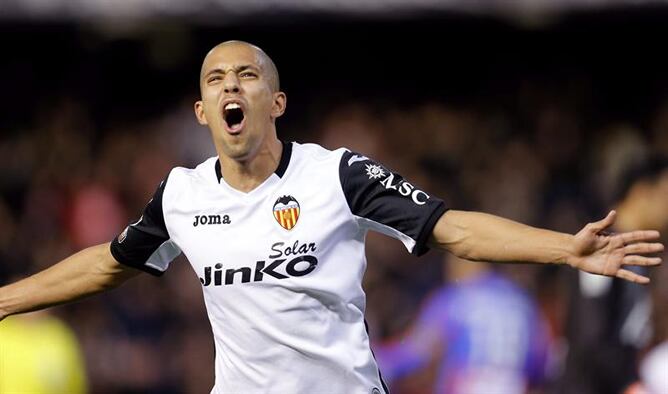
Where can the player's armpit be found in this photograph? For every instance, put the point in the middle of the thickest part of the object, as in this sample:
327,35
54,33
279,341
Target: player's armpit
85,273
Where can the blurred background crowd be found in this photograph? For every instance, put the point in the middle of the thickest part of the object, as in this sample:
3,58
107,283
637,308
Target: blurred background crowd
551,119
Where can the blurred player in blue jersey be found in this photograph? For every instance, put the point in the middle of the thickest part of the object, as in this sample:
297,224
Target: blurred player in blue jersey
483,332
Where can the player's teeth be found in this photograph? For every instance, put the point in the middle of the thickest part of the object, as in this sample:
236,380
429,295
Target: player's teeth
232,106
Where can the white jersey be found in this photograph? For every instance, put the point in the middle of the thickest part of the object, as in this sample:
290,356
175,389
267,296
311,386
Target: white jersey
281,266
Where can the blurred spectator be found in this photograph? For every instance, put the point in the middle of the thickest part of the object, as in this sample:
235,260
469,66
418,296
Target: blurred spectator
609,319
653,367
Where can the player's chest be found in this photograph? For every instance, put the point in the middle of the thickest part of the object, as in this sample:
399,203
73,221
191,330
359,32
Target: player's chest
284,224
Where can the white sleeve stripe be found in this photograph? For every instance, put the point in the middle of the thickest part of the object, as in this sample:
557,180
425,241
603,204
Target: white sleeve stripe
408,242
163,255
140,218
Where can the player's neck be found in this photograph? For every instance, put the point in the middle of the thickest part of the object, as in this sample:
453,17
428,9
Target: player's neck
246,175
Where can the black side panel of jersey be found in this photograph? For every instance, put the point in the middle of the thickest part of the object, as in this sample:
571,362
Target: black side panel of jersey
375,193
140,239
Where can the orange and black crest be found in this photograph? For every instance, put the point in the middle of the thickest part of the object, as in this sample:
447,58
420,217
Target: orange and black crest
286,212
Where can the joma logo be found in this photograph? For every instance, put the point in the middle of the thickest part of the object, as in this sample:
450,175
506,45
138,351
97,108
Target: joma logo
211,219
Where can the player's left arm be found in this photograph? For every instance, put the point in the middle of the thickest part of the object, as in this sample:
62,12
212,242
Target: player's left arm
483,237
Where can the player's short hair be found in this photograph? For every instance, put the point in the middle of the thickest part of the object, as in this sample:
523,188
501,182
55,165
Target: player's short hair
269,67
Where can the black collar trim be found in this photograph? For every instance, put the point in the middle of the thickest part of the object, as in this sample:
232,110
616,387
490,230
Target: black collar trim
285,159
282,165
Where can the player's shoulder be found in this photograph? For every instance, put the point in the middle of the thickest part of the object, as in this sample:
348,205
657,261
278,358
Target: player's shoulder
184,177
320,153
315,151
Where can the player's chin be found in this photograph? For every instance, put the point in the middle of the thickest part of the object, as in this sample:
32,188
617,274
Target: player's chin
238,147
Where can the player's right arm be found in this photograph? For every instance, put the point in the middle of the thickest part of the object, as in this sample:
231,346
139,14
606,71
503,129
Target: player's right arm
90,271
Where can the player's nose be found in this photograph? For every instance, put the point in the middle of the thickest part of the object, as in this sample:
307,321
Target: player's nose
231,83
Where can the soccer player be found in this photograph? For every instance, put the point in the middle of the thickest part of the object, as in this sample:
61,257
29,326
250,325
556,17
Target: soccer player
482,333
275,231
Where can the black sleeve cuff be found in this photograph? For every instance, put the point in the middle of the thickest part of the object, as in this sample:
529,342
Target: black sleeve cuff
421,243
115,251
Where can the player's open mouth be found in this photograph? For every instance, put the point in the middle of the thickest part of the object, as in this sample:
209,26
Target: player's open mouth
233,115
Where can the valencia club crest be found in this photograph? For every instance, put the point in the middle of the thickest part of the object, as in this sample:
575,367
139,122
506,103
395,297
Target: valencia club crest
286,212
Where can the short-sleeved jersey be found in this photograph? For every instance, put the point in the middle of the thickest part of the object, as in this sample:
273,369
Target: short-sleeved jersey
281,266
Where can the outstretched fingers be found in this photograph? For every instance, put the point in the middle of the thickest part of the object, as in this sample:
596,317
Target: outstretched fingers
641,261
643,248
638,236
631,276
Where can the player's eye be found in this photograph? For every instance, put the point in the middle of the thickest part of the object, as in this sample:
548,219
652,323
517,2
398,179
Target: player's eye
247,74
214,78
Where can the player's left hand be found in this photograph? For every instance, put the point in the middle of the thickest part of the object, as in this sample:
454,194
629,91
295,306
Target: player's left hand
600,253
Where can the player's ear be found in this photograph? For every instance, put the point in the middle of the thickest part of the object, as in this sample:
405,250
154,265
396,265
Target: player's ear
199,113
278,107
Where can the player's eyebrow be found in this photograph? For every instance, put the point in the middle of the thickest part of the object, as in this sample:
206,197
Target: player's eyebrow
245,67
237,69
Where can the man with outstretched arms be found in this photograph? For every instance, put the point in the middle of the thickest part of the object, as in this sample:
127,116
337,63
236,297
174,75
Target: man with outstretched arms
275,231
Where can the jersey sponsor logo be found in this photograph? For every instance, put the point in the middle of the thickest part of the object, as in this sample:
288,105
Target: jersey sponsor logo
205,220
286,212
405,189
295,249
290,261
374,171
356,158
